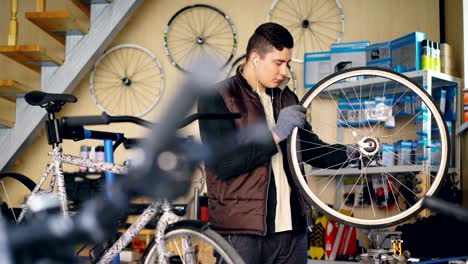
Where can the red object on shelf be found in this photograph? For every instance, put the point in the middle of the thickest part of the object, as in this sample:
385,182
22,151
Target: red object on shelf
465,100
339,240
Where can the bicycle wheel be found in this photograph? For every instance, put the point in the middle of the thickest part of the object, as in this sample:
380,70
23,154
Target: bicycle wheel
208,245
10,212
291,74
395,164
127,80
199,30
314,25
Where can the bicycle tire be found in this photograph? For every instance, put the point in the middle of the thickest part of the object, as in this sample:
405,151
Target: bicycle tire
127,80
313,25
9,211
200,231
334,83
26,181
199,30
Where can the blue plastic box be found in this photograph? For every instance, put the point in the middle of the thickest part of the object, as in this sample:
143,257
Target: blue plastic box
347,55
316,67
379,55
406,52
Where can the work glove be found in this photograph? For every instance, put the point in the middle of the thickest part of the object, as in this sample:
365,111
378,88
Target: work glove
289,118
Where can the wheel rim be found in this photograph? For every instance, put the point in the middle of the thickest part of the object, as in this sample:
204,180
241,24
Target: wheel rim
400,199
127,80
197,31
205,248
314,25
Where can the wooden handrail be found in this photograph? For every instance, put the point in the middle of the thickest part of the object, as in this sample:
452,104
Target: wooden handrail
13,27
40,5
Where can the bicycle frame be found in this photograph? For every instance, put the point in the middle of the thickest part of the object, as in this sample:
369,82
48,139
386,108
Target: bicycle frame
58,158
167,218
55,136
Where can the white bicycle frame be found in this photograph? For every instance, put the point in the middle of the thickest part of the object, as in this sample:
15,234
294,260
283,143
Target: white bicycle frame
167,218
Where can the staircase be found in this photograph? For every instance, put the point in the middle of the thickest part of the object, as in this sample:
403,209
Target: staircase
85,29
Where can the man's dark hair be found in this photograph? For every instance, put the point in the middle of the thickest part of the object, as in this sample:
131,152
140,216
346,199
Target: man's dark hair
267,36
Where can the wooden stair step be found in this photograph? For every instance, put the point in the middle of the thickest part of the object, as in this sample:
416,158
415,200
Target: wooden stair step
31,56
56,24
12,87
8,110
84,4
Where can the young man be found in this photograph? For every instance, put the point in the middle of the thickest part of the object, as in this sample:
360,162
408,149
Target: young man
253,201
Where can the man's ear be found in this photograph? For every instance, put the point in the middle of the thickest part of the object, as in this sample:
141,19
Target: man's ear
255,57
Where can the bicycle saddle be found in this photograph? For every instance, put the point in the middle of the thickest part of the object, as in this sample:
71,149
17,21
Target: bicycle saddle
42,98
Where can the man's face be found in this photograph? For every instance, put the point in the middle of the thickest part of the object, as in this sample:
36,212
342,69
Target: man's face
273,67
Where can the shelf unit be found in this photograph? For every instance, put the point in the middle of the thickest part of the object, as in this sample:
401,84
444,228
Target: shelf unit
424,78
370,170
373,170
428,80
432,79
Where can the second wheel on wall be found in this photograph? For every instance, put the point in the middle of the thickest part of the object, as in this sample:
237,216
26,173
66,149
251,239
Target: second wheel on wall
127,80
197,31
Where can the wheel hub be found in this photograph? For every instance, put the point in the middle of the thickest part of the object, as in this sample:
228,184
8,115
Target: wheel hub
200,40
126,81
369,146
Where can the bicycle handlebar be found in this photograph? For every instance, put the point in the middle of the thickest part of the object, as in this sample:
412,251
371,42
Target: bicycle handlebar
446,208
105,119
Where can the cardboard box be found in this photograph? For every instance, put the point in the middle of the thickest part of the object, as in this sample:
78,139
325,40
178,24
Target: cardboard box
406,52
316,67
379,55
348,55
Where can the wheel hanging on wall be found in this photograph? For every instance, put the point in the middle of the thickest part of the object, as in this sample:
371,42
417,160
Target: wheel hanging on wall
314,25
127,80
199,30
291,74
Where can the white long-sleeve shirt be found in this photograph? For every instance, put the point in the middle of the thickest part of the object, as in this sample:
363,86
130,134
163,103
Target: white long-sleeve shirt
283,221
